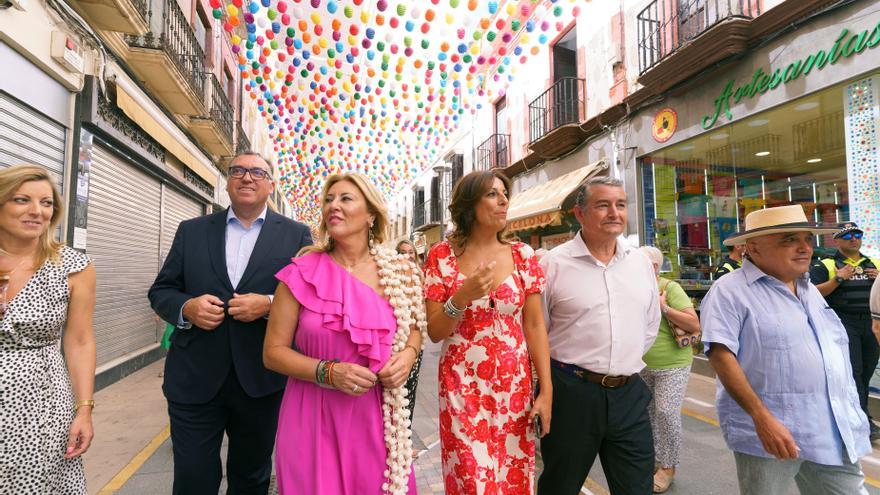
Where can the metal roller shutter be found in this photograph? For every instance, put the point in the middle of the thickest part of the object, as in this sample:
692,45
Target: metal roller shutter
124,213
176,208
27,136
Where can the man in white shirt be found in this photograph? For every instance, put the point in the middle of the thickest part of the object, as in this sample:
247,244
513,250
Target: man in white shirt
602,311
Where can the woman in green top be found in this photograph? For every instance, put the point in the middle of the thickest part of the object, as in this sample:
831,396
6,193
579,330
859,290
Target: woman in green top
668,367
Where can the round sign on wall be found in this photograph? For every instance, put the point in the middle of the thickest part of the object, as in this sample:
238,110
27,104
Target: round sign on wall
664,125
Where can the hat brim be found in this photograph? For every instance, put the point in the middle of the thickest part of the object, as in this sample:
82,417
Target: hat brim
742,237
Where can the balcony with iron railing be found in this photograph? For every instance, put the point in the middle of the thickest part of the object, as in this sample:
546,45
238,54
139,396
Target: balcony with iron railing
427,214
168,59
124,16
242,143
561,104
493,152
664,25
215,129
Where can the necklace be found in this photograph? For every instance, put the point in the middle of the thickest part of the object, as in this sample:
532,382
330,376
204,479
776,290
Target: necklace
9,273
350,267
5,279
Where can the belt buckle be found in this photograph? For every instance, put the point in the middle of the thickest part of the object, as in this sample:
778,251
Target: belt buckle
603,382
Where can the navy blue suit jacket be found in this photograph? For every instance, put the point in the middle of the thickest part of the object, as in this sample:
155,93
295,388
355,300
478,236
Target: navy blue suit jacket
199,361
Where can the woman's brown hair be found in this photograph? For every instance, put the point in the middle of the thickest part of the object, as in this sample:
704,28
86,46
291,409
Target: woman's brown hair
468,191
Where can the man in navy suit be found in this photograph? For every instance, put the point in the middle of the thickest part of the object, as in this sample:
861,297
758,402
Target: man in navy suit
217,285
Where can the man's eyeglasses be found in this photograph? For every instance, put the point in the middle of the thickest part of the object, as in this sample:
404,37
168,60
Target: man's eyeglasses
257,173
850,235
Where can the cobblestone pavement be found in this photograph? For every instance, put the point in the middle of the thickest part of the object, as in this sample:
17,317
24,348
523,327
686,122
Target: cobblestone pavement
426,434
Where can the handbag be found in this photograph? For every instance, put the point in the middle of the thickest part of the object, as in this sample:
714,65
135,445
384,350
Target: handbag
682,339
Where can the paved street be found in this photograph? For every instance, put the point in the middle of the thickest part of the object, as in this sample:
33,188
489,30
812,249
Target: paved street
132,454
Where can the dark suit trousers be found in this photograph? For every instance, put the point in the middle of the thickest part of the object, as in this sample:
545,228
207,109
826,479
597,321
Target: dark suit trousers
197,433
589,419
864,352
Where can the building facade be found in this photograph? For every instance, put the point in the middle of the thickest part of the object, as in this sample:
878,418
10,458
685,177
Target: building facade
136,107
706,110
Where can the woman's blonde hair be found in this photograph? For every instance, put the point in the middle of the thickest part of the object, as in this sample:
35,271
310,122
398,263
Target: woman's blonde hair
375,205
11,180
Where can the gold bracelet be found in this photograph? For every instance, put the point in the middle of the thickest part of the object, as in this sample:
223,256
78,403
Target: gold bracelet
410,346
81,403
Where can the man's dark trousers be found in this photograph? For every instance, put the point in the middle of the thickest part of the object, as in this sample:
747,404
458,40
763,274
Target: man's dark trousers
589,419
864,352
215,381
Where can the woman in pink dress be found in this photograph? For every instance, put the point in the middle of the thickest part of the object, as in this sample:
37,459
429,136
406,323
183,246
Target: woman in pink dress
335,334
484,302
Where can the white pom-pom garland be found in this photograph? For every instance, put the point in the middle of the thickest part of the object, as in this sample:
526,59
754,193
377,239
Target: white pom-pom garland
402,286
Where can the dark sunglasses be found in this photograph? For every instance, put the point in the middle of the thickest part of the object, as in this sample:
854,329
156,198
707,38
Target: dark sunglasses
849,235
257,173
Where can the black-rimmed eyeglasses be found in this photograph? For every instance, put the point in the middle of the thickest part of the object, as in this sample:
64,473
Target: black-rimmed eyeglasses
257,173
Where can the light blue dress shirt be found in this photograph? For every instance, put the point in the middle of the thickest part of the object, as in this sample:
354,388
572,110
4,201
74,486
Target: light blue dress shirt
795,353
240,242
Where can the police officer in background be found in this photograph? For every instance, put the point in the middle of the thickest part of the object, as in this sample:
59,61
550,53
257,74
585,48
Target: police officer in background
845,280
731,262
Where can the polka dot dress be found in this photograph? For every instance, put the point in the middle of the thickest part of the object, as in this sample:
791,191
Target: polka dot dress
36,400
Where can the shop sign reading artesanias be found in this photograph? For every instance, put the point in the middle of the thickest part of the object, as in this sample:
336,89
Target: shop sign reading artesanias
847,44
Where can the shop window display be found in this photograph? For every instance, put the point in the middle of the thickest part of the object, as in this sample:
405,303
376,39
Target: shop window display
697,192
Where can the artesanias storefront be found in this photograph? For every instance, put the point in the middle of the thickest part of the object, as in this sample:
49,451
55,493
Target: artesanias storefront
794,122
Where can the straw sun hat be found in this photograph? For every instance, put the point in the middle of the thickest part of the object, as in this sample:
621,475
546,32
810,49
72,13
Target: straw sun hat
776,220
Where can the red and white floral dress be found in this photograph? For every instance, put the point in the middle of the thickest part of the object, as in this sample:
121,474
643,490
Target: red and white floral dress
485,376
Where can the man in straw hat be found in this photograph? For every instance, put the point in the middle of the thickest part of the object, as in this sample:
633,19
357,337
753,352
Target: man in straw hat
845,280
787,401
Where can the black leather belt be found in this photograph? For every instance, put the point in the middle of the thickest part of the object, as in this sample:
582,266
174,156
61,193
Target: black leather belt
607,381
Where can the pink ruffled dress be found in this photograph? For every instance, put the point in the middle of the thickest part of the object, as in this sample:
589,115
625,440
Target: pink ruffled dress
329,443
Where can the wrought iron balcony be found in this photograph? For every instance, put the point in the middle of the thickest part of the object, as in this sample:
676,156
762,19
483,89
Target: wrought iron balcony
562,103
170,39
220,109
242,143
427,213
215,128
419,216
124,16
493,152
664,26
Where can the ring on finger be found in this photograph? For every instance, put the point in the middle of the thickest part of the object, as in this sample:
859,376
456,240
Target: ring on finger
355,389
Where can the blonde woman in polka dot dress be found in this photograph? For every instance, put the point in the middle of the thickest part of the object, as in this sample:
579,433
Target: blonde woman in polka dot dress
45,403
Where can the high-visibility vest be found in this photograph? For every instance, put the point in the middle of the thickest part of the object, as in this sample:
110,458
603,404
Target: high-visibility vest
852,295
726,266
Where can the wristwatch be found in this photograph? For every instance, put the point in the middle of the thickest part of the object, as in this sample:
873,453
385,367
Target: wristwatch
839,279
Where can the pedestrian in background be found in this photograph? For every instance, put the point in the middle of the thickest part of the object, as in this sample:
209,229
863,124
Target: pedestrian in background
787,400
484,303
408,249
845,280
603,312
666,372
875,308
331,332
733,261
216,285
46,398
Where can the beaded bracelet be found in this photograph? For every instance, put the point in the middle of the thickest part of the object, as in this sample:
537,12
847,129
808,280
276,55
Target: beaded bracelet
330,373
319,372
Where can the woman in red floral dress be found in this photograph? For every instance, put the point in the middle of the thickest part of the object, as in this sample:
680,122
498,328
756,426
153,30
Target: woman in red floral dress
484,302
